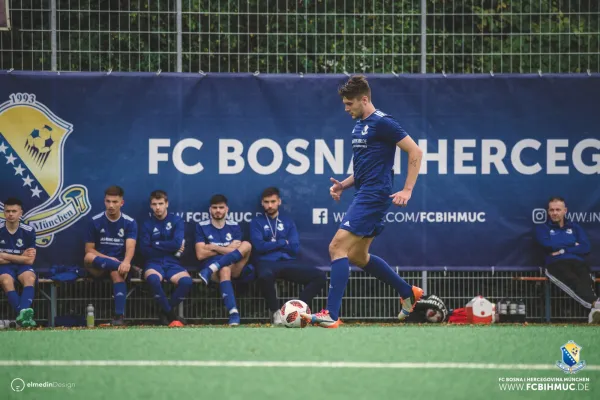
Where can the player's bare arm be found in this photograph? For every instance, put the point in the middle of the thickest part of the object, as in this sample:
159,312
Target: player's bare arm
27,258
415,155
225,249
204,251
91,248
2,260
338,187
129,252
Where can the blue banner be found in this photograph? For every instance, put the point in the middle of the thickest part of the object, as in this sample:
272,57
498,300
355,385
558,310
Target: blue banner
496,148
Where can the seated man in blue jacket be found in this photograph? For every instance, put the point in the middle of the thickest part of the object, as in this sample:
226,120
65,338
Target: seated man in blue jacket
275,244
162,245
566,244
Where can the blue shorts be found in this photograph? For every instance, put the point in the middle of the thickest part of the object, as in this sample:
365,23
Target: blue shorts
210,260
15,270
166,269
365,216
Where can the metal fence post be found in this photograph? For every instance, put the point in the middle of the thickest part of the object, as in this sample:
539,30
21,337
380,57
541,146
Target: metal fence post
53,46
179,37
423,36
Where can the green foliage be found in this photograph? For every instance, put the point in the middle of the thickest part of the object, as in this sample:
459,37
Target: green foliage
308,36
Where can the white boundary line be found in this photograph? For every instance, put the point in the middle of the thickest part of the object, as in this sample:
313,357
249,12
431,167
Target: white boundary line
279,364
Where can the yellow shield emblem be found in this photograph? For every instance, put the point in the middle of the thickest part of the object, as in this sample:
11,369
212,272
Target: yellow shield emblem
32,141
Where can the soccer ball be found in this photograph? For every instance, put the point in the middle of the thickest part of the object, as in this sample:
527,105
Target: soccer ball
434,315
40,142
290,314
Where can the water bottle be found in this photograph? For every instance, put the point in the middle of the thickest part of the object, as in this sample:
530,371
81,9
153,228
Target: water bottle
90,316
512,308
503,307
178,254
521,307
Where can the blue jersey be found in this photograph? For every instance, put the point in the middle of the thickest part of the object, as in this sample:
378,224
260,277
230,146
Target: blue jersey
274,239
207,233
553,238
374,142
161,239
109,236
16,243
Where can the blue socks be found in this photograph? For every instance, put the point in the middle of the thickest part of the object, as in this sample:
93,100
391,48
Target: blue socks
13,300
228,296
120,293
184,285
26,298
378,268
228,259
105,263
340,272
158,292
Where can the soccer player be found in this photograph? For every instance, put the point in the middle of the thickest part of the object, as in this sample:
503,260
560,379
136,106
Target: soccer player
17,255
110,245
276,246
223,254
566,245
162,244
374,140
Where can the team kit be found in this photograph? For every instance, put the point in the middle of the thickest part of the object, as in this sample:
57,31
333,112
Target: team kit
271,252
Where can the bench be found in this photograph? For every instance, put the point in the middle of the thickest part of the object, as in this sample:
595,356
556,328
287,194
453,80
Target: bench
52,294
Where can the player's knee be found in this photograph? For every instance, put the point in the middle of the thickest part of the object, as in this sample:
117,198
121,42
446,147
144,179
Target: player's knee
185,282
116,277
336,250
7,282
245,248
225,274
89,259
28,279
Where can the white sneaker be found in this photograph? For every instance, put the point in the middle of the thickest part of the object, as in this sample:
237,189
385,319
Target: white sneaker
277,319
594,317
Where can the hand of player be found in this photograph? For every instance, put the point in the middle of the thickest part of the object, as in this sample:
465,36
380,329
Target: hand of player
30,252
556,253
182,248
336,189
401,198
124,268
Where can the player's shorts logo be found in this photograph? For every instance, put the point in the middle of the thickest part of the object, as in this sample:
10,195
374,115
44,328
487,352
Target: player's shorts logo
32,145
571,353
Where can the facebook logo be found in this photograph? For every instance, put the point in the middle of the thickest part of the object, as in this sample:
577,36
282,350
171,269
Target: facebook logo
320,216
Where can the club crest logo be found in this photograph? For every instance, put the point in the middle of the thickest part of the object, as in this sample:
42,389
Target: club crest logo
32,145
570,363
228,237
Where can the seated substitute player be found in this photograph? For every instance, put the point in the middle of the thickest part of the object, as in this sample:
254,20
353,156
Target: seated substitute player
276,246
110,246
566,244
162,243
374,140
223,254
17,255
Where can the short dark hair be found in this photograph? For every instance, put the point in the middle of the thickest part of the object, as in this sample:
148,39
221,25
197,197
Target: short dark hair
159,194
218,199
556,198
114,191
13,201
356,87
270,191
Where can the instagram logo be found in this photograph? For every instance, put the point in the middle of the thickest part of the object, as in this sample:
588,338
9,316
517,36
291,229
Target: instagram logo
538,216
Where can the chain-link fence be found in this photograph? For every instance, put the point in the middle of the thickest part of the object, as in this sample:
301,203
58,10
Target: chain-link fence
304,36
